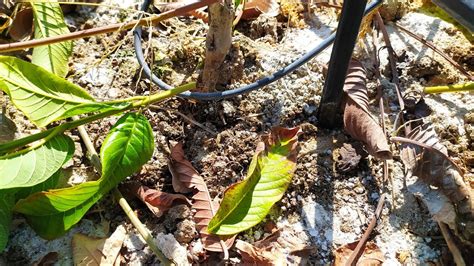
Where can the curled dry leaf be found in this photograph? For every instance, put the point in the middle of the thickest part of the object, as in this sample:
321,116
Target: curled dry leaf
254,8
98,251
371,256
282,247
425,157
348,158
252,255
186,179
49,259
157,201
358,121
22,25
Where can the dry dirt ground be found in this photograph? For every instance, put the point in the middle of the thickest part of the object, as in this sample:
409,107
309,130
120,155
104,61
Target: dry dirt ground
323,206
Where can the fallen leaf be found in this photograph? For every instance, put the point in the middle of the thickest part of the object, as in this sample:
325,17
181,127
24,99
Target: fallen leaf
22,25
252,255
371,255
186,179
287,241
348,158
426,158
98,251
157,201
358,121
7,128
416,109
246,203
48,260
254,8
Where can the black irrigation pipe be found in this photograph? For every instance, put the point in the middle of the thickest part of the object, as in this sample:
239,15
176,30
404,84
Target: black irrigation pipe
247,88
346,36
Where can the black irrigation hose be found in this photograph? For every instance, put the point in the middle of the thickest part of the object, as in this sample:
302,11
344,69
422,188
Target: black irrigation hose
247,88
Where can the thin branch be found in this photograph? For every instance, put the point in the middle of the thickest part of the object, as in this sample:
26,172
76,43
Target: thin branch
361,244
433,47
391,58
451,245
106,29
428,147
189,119
144,232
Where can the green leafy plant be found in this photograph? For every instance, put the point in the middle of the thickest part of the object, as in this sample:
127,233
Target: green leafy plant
31,166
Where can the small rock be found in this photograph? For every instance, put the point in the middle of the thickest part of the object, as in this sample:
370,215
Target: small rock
185,231
359,190
228,108
257,235
178,212
97,77
113,93
309,109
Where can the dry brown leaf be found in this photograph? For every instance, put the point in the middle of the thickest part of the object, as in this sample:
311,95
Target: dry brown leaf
427,159
98,251
252,255
358,121
286,241
348,158
22,25
254,8
157,201
48,260
186,178
371,255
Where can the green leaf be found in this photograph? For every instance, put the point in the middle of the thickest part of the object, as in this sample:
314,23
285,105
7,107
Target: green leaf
126,148
6,204
35,166
49,21
246,203
50,183
43,96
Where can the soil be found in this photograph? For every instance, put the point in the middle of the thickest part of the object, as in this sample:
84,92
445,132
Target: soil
325,205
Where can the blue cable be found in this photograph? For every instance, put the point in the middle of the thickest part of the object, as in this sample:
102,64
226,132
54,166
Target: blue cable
244,89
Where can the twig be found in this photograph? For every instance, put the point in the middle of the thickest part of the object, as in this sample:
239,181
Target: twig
122,201
428,147
391,58
140,227
361,244
106,29
451,245
433,47
192,121
365,237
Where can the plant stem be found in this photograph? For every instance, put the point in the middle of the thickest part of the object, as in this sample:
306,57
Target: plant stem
75,123
140,227
106,29
450,88
451,245
121,200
